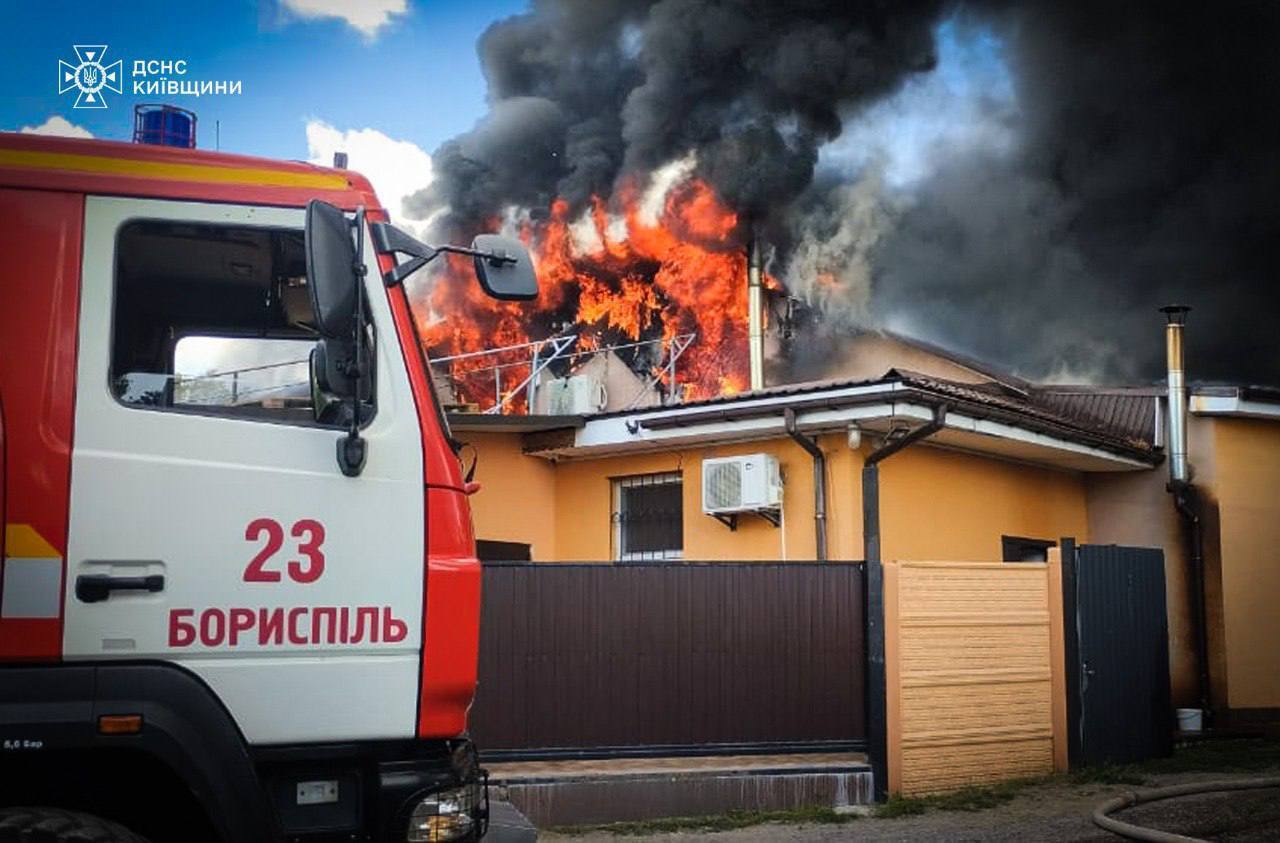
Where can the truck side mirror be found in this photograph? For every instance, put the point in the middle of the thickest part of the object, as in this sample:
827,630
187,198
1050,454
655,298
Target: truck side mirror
504,268
335,274
331,258
502,264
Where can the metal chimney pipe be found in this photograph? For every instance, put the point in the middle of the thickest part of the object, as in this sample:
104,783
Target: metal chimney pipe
1186,498
1177,316
755,313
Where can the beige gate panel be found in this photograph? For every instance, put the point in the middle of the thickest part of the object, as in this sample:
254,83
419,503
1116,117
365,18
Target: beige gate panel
974,673
935,768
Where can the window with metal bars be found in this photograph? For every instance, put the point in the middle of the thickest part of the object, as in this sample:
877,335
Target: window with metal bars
648,517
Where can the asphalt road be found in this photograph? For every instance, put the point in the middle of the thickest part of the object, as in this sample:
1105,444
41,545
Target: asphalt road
1056,811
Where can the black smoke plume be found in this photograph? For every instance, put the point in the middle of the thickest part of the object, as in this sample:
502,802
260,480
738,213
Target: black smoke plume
1146,170
584,92
1144,165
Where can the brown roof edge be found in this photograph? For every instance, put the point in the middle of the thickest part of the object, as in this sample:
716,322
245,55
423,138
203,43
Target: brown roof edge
966,398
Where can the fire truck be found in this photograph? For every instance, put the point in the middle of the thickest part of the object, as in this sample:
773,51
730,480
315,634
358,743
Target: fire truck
240,596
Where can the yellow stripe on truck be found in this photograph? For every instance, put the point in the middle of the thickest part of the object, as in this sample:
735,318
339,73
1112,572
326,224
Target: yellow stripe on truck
170,172
22,540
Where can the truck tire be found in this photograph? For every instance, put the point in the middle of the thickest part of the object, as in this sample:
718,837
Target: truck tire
54,825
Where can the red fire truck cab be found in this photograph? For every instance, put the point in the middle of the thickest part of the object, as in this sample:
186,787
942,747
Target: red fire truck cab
240,599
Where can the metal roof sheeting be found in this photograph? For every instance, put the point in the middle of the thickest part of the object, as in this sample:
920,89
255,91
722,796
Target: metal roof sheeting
1127,413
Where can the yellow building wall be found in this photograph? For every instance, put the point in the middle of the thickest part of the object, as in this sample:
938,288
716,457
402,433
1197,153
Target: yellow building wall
1247,476
1135,508
947,505
517,497
934,503
870,356
584,529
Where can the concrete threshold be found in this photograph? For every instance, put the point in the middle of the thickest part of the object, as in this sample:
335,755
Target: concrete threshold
560,793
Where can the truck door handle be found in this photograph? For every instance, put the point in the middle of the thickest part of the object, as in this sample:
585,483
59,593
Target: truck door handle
94,588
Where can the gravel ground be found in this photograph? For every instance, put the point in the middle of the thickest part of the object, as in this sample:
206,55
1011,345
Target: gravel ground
1054,811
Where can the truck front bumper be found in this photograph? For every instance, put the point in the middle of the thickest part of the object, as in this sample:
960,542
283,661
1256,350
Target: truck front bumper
425,803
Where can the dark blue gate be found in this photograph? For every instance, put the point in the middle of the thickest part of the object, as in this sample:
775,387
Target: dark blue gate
1117,653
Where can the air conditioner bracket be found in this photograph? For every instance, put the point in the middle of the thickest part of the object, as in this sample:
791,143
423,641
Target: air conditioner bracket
730,520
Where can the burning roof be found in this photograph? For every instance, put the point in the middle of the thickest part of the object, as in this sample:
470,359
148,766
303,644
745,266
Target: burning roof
626,271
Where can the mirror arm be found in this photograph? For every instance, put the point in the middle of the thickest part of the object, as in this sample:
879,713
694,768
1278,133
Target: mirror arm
494,258
353,451
398,273
389,240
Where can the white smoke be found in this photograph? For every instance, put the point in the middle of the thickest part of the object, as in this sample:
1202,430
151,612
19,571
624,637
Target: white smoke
830,267
661,182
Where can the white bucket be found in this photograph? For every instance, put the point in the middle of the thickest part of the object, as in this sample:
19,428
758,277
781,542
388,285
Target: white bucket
1190,719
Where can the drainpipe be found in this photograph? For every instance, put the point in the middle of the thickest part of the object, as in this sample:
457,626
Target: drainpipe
755,313
1186,497
873,599
871,481
819,483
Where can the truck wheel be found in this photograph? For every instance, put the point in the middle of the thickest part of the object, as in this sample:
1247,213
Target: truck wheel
54,825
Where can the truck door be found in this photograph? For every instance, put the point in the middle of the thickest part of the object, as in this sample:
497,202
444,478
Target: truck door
210,525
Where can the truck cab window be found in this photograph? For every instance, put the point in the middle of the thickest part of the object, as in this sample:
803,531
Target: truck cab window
214,320
240,372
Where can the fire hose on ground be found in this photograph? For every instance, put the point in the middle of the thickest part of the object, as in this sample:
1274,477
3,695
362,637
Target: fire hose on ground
1132,799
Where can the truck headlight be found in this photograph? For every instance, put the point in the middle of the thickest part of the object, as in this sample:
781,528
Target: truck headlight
445,815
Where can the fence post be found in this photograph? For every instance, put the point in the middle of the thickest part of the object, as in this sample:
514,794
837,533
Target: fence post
1057,661
873,612
892,681
1071,648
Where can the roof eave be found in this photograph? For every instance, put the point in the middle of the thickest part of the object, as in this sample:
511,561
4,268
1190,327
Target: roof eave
1239,405
876,407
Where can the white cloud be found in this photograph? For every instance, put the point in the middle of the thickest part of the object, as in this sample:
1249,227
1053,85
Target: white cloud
366,16
396,168
59,126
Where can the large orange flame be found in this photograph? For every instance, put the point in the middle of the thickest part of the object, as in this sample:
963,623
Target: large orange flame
636,278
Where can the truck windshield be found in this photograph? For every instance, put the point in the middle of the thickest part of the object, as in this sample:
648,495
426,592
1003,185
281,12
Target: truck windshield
440,389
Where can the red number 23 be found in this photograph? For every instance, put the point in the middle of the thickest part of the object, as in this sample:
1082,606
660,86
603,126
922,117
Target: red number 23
298,571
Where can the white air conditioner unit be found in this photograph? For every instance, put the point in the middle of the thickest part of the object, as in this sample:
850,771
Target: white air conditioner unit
576,395
750,483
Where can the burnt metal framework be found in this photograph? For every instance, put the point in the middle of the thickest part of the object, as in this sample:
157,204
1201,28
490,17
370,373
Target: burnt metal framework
543,353
648,517
599,660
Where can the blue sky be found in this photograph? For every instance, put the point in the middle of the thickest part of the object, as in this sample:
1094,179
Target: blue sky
388,80
416,78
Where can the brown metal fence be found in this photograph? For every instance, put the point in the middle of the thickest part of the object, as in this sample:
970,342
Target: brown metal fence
674,657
